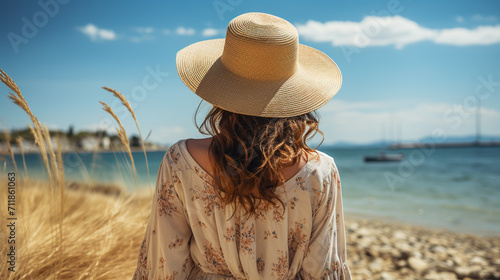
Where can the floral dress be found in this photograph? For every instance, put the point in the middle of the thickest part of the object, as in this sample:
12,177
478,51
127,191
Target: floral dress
192,235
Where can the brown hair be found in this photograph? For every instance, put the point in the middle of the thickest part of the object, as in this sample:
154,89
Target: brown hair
248,152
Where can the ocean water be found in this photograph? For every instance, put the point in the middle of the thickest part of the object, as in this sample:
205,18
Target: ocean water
457,189
447,188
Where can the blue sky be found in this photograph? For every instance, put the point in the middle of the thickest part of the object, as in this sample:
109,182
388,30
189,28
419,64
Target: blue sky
409,68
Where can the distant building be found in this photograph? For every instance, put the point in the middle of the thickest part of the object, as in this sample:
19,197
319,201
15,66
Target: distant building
89,143
105,142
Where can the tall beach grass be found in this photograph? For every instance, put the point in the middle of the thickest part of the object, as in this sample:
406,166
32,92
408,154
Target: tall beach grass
68,232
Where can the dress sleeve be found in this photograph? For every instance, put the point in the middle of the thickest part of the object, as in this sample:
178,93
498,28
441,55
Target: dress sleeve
164,252
326,256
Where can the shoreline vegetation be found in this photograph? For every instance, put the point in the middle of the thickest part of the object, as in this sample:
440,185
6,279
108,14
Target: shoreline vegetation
66,230
103,227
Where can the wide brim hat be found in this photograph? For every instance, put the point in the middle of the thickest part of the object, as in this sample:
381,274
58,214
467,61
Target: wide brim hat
259,69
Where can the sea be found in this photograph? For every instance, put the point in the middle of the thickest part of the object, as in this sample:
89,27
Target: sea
455,189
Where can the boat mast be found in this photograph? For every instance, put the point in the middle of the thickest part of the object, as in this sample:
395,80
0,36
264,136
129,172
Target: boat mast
478,121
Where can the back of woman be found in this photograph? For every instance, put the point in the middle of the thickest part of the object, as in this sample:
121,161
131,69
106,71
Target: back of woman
256,202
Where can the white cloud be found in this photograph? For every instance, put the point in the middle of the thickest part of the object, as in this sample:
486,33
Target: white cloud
166,31
184,31
366,122
482,35
144,30
395,30
96,33
208,32
459,19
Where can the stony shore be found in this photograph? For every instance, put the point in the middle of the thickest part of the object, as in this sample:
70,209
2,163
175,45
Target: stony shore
390,250
387,250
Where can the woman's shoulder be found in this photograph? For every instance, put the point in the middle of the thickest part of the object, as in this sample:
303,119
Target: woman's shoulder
179,157
317,170
321,170
326,162
174,155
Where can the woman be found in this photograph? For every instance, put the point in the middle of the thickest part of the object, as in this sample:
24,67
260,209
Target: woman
253,201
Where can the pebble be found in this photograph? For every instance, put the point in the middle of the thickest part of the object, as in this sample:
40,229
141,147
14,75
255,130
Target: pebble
479,261
386,276
432,275
417,264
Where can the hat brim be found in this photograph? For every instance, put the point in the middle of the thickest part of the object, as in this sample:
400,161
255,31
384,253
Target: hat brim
315,82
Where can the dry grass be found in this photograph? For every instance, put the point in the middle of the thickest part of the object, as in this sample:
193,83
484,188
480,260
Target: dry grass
37,129
53,164
125,103
102,234
70,233
122,133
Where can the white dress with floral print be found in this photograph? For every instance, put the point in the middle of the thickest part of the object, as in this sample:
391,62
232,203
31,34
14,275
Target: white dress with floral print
191,235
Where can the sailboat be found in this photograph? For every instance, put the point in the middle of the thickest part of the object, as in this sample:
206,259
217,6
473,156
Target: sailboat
384,157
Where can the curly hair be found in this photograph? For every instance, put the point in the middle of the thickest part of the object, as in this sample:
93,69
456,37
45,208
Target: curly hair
249,152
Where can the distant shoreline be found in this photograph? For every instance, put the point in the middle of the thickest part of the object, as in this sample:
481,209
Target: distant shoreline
443,145
81,151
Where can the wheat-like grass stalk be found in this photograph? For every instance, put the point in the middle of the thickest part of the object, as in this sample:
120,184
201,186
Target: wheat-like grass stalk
9,82
52,156
122,98
125,103
122,134
41,145
19,100
116,159
19,141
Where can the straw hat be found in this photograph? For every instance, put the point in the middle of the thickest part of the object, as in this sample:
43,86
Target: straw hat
259,69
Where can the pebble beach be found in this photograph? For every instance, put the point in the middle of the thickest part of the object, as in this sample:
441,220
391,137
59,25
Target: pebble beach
387,250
